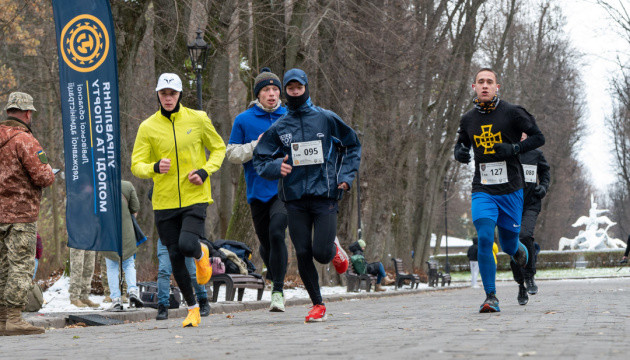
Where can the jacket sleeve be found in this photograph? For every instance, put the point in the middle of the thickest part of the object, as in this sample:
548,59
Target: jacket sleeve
213,142
241,153
350,148
134,203
462,137
535,137
544,176
28,149
268,155
142,159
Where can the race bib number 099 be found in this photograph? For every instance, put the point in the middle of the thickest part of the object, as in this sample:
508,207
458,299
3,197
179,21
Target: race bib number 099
307,153
493,173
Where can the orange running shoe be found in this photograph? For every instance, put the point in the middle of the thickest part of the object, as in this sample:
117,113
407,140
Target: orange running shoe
340,261
204,270
193,319
316,314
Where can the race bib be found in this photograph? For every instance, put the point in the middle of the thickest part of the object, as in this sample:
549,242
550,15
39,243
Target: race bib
530,173
307,153
493,173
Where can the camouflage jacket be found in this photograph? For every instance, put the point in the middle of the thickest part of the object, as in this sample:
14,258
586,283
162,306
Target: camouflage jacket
23,173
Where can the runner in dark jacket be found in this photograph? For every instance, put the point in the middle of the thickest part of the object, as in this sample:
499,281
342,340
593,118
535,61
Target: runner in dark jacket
316,156
537,178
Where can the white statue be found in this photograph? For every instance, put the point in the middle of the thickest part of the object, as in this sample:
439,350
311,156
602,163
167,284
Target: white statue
592,238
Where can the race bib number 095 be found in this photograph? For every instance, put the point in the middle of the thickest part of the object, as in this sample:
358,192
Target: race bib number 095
307,153
493,173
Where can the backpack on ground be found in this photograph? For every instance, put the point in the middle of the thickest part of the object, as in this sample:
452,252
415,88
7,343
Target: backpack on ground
358,263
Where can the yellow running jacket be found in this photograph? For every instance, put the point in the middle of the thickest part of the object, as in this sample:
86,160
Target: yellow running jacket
183,139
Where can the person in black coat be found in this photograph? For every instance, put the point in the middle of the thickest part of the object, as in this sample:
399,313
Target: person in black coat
474,265
537,178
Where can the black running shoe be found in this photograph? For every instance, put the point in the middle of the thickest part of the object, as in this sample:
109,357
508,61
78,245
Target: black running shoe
521,255
522,295
532,288
162,312
204,307
490,305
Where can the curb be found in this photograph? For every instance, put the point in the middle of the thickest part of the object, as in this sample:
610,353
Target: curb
60,320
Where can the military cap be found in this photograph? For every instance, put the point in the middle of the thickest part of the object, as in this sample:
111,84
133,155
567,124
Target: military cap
20,100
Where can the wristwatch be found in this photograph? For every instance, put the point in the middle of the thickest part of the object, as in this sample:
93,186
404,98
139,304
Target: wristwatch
516,148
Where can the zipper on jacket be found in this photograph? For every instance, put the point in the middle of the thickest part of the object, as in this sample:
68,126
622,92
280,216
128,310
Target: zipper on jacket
304,139
179,192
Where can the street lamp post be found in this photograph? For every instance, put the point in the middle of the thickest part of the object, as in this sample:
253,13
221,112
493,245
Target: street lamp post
198,52
447,266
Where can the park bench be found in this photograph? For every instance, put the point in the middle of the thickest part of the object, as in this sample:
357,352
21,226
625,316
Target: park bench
356,282
233,282
402,276
435,275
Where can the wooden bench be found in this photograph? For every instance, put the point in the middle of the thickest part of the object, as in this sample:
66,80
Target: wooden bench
233,282
402,276
356,282
435,275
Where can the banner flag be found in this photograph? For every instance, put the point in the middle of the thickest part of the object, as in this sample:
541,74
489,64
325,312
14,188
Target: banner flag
88,80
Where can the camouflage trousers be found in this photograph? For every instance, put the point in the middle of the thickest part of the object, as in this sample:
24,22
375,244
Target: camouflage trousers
17,262
81,270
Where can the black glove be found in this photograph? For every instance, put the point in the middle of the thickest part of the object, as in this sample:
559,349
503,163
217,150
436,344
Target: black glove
504,151
462,154
540,191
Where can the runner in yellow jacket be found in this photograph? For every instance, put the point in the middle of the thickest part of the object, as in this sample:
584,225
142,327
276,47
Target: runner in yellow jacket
170,148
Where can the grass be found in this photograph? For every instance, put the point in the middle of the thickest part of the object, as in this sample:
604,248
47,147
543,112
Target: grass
555,273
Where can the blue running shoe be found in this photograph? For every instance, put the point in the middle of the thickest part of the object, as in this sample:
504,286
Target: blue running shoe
522,256
490,305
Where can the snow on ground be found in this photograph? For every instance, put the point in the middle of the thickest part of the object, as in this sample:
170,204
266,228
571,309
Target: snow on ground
57,297
556,273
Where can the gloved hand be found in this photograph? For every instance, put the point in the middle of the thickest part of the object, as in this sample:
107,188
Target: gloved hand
504,151
540,191
462,154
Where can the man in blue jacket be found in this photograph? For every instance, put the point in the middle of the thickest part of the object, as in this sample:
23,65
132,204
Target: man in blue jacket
268,212
316,156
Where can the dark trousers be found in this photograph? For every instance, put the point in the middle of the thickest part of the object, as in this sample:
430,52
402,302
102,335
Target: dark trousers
270,222
180,230
526,236
313,227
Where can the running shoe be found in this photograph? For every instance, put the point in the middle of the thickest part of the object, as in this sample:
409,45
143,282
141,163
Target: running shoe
522,295
340,261
277,302
490,305
521,257
204,270
316,314
193,319
532,288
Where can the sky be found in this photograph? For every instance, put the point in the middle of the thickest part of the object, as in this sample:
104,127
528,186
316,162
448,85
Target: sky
593,33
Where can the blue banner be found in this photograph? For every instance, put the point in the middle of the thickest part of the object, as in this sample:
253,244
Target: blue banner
88,79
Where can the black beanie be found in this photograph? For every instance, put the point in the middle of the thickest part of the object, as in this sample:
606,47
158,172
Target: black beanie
266,77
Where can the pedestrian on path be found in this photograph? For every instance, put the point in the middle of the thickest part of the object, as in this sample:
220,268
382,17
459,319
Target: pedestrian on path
268,211
316,156
624,259
474,264
494,127
170,148
130,206
24,172
537,179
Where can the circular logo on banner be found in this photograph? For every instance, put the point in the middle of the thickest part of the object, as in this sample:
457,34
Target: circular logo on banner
84,43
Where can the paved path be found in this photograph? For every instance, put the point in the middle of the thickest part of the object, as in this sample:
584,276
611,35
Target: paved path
571,319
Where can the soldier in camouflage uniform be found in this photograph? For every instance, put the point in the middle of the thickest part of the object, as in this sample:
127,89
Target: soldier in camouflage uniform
24,171
81,270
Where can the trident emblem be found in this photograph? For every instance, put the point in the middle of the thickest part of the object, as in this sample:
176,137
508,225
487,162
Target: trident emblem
487,139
